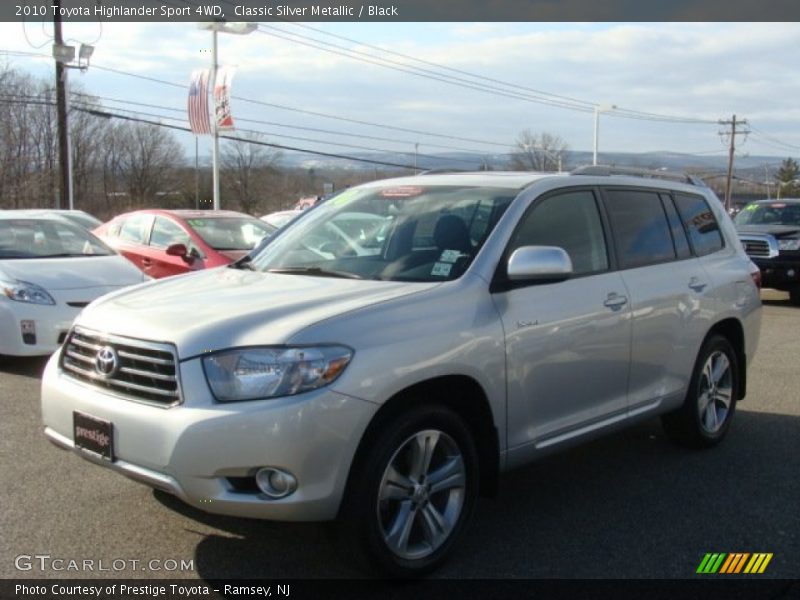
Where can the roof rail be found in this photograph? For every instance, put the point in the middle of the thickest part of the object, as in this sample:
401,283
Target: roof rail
608,170
440,171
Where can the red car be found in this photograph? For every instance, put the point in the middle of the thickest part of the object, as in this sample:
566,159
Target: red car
171,242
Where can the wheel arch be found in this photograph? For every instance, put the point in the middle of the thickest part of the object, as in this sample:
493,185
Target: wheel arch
732,330
461,394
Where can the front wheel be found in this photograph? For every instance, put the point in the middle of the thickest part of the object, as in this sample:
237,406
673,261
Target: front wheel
794,296
710,403
415,492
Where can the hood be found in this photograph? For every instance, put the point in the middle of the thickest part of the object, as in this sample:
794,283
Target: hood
222,308
73,273
779,231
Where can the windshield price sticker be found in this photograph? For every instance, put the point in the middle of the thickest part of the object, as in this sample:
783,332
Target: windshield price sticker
441,269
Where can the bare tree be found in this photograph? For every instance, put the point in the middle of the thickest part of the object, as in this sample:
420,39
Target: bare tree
538,152
149,157
247,170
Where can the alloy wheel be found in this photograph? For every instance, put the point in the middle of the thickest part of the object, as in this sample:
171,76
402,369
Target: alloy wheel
421,494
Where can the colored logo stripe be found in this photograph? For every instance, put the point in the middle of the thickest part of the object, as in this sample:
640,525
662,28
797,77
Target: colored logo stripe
734,563
758,563
711,562
715,562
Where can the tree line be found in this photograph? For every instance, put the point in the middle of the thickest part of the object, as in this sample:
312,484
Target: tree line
120,165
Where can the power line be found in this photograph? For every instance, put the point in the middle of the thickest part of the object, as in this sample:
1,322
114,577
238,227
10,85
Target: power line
98,112
298,127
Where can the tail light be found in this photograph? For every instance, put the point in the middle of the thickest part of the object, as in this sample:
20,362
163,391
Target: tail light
755,273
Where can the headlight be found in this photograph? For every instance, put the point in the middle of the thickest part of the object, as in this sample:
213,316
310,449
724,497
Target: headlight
271,372
23,291
788,244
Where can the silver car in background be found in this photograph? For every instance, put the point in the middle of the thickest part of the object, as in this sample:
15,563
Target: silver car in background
386,377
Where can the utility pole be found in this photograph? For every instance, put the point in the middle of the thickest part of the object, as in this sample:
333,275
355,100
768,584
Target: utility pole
65,167
732,133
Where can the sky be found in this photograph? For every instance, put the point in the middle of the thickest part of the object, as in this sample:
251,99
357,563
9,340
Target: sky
697,71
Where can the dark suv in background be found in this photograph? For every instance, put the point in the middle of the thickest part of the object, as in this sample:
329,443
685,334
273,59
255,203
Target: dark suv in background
770,233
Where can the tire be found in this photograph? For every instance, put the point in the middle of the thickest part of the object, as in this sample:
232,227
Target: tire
394,515
706,414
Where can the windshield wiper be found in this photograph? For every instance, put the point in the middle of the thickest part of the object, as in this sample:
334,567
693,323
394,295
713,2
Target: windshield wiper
317,271
246,262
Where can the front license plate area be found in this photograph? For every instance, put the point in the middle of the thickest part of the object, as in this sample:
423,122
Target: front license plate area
93,435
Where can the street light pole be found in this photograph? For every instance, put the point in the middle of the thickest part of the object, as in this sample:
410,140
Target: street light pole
214,129
224,27
597,110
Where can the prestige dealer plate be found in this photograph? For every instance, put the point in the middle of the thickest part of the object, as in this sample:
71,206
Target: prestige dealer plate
93,435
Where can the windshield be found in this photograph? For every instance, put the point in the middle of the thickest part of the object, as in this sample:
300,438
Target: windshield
408,233
231,233
776,213
47,238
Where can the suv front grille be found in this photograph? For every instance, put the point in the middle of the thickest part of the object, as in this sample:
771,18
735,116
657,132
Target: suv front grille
134,369
756,247
759,246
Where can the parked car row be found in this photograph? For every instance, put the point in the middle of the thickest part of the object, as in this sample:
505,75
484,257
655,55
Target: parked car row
52,264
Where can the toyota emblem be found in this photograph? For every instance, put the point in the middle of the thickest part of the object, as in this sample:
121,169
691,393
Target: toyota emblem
106,361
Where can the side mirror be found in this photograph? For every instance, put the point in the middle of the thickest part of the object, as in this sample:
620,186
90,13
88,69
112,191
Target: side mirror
182,251
539,263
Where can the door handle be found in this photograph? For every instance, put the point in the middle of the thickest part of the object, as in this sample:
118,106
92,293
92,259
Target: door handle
147,262
697,285
615,301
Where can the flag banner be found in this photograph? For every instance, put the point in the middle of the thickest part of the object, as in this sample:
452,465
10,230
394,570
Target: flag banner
222,97
199,120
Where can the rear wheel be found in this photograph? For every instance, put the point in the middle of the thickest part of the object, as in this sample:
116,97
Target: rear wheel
415,492
794,296
710,403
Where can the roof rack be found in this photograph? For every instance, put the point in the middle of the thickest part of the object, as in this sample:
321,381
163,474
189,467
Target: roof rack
440,171
608,170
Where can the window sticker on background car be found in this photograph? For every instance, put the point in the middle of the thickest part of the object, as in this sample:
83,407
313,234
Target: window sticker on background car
441,269
343,198
404,191
450,256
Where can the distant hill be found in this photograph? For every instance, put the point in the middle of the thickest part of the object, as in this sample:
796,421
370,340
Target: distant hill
751,167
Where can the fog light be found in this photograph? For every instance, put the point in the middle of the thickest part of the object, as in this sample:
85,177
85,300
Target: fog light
790,273
28,330
275,483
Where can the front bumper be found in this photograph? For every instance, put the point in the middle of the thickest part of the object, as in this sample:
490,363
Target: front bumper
192,449
781,272
51,324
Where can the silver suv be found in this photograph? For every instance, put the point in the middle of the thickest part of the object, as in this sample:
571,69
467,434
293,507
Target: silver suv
387,355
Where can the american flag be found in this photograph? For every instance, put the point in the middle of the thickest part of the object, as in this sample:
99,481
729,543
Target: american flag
198,102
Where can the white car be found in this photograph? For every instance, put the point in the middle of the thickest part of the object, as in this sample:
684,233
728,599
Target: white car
49,270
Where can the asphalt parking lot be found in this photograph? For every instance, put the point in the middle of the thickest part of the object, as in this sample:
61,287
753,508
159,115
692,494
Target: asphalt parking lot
628,506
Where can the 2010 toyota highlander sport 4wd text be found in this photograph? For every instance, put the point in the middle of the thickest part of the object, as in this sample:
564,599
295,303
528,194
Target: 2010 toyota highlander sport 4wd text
385,375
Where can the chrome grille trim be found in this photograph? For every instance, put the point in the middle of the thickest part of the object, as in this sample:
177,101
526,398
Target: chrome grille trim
147,372
758,245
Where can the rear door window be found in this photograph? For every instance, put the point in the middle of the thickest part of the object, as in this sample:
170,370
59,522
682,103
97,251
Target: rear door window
641,230
700,222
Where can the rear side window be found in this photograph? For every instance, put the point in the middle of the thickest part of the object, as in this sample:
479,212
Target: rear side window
700,222
640,226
